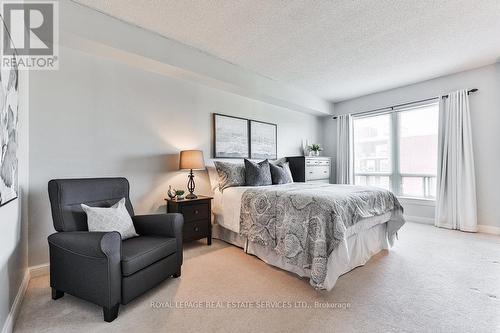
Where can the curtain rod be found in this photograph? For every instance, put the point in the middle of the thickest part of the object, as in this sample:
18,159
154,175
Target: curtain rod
409,103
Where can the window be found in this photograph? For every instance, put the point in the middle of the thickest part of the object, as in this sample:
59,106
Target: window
372,151
398,150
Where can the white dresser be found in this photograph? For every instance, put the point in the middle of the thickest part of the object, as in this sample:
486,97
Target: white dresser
310,168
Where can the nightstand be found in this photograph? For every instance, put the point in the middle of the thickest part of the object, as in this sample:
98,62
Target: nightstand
197,217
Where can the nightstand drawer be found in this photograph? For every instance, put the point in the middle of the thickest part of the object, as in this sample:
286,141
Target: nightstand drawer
197,215
195,212
195,230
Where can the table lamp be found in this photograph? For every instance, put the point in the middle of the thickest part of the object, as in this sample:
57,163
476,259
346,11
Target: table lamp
191,160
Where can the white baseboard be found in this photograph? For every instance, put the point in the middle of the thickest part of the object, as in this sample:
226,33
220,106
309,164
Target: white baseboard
419,219
30,273
16,306
485,229
488,229
39,270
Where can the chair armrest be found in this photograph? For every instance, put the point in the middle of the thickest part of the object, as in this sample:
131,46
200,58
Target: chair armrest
90,244
168,225
87,265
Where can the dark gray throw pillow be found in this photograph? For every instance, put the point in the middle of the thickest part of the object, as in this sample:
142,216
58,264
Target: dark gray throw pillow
257,174
280,173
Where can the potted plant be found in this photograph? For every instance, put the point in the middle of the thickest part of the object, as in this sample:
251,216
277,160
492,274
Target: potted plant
179,194
314,149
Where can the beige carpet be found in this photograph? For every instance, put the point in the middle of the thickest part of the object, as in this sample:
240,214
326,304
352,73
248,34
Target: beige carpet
433,280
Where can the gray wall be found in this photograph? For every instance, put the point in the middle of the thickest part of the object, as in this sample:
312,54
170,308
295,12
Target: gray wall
485,118
13,217
98,117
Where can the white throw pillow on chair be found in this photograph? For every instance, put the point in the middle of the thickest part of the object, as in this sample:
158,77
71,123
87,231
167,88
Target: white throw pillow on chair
114,218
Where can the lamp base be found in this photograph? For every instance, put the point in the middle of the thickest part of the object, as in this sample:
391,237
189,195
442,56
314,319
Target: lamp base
191,196
191,186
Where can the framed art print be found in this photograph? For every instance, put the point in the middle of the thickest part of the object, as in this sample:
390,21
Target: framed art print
9,119
263,140
231,137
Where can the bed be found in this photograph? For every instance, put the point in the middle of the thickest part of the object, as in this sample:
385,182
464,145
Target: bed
317,231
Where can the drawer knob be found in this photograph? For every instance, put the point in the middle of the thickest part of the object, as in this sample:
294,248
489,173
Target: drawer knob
196,228
196,211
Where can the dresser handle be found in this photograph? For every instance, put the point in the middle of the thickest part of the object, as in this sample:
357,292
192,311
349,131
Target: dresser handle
196,212
196,228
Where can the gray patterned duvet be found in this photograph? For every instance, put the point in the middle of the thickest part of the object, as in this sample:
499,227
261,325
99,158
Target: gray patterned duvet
304,223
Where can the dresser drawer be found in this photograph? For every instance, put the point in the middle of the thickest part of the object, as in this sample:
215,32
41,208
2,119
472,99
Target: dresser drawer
317,162
317,172
195,230
195,212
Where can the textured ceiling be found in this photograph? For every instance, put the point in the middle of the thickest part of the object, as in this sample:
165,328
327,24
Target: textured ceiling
333,49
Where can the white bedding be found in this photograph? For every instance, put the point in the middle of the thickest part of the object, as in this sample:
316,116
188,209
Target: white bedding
226,207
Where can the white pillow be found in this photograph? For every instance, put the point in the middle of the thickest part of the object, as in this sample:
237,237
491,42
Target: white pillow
114,218
213,177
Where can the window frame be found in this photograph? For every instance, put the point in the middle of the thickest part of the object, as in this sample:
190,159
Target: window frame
395,176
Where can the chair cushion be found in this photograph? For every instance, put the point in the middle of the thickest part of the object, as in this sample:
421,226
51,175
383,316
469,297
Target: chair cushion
140,252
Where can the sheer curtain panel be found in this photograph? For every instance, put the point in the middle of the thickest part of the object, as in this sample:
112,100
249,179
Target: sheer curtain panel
344,150
456,187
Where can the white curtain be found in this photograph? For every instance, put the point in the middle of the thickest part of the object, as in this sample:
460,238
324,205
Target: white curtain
456,186
344,150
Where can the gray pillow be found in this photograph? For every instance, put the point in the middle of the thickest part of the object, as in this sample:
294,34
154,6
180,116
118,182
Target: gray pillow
114,218
230,174
280,173
257,174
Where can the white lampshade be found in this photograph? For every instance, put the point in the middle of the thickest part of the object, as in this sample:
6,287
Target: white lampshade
192,159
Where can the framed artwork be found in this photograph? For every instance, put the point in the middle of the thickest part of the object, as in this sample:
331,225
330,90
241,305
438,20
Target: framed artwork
9,119
231,137
263,140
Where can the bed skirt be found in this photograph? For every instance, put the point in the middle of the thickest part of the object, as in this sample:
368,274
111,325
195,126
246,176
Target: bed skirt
355,251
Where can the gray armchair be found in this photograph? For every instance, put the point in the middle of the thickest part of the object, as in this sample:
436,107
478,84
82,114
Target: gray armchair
98,266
